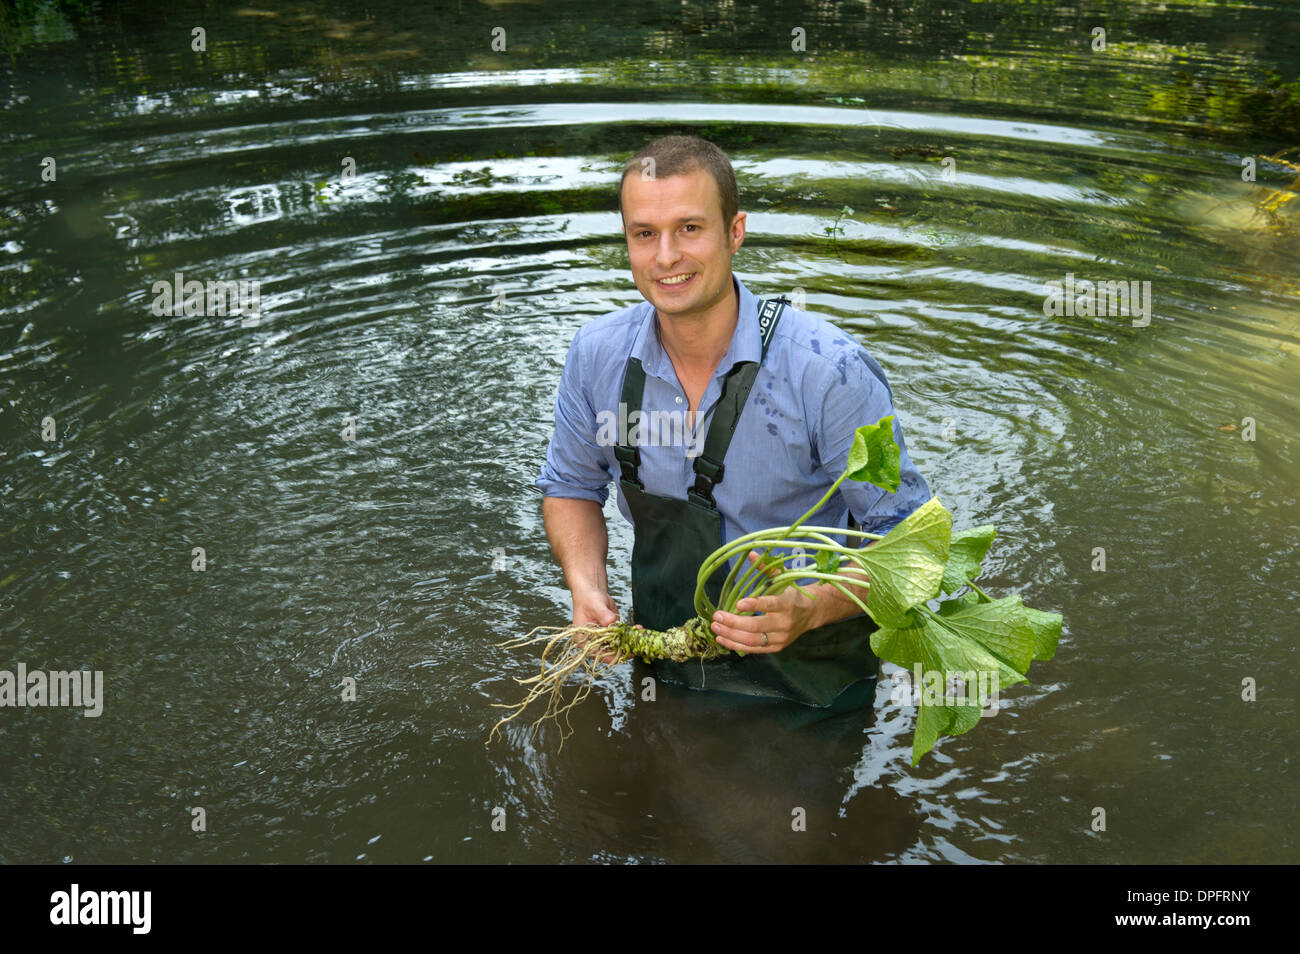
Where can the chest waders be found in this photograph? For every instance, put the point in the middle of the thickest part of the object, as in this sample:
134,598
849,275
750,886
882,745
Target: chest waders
832,665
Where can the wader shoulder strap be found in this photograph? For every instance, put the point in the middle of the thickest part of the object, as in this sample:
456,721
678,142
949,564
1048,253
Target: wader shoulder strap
735,391
629,457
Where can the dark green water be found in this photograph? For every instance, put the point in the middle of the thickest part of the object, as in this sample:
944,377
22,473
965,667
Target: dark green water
432,297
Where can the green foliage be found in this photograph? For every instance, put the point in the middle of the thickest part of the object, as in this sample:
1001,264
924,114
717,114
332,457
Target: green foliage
1275,109
826,561
917,561
970,634
906,567
875,457
25,22
965,554
835,230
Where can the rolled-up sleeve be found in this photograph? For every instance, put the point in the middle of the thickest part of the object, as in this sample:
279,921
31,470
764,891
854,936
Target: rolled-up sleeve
576,466
857,393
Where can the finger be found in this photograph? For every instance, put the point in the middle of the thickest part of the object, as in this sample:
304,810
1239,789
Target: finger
747,643
754,558
762,604
750,638
731,622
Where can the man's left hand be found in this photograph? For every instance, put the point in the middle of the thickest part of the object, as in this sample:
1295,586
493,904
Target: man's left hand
786,616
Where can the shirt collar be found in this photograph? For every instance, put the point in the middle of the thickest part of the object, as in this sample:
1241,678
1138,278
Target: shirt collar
746,343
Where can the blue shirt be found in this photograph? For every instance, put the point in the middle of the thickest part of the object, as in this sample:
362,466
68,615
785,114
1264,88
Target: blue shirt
815,387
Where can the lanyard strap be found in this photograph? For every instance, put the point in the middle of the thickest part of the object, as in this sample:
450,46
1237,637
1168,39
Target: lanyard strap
735,391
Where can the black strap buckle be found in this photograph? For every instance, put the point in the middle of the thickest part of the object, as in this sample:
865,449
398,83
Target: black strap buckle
710,470
702,494
629,459
707,473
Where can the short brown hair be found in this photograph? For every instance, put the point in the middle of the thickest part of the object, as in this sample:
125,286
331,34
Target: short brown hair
679,155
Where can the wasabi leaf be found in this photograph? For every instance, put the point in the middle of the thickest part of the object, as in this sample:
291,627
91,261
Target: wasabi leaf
999,638
969,598
1047,630
940,651
905,567
874,457
965,554
1001,628
1045,626
827,561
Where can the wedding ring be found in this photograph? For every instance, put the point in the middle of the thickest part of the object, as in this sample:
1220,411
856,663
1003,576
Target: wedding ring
765,639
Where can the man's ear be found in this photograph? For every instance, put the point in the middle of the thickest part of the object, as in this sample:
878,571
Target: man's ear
738,221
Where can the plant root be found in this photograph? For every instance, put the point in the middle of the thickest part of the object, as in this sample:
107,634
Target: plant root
579,650
582,650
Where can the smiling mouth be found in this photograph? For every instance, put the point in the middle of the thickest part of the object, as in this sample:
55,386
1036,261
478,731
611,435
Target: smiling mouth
676,281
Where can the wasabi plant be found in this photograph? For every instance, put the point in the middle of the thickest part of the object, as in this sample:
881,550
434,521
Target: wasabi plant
905,569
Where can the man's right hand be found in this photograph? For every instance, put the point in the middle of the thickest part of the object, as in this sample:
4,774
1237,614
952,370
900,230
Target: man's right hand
595,608
576,529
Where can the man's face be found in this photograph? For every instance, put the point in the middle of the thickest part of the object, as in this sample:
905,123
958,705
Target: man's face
674,228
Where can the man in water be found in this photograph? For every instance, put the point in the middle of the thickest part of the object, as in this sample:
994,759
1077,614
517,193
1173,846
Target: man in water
760,403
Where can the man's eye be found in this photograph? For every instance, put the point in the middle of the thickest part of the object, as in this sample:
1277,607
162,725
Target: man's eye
692,226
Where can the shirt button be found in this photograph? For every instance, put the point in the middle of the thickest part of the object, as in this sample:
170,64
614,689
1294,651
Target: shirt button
679,399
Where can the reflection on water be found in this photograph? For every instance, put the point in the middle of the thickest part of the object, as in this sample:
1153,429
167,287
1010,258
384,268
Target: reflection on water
430,221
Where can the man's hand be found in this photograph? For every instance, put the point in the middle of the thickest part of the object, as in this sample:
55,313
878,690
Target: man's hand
785,617
594,608
576,530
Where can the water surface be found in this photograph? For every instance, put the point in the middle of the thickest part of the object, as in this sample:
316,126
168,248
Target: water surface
430,300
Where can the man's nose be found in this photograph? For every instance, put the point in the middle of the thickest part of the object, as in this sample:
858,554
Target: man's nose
666,253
